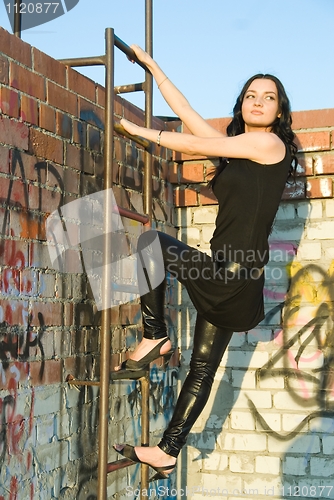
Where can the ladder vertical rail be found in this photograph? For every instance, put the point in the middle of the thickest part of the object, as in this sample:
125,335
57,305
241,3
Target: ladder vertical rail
148,110
145,416
106,282
17,18
145,384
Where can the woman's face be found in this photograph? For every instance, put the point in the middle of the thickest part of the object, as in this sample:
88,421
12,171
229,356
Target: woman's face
260,105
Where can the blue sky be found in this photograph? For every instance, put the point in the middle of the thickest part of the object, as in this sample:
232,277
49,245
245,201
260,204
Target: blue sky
207,48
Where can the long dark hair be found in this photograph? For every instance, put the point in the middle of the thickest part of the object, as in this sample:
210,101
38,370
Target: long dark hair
281,126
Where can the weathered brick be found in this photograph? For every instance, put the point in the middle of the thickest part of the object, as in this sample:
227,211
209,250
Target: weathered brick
237,442
15,48
68,314
15,192
242,420
309,251
28,282
39,256
101,98
13,133
14,312
159,213
63,125
157,168
29,225
17,373
118,104
321,230
79,159
79,132
173,173
242,463
45,146
290,400
158,191
84,315
322,467
131,178
47,117
329,208
46,314
46,372
313,141
115,315
192,172
4,70
129,314
169,194
73,156
294,191
295,466
319,187
4,159
81,85
119,150
10,281
317,118
207,232
305,166
93,139
45,200
49,67
70,179
47,285
185,197
9,102
324,164
29,110
99,166
133,113
91,113
27,81
62,99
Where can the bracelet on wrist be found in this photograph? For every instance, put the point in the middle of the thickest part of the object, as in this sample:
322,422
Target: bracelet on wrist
162,82
159,137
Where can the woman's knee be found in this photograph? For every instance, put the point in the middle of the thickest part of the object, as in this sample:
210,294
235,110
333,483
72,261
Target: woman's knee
201,372
146,240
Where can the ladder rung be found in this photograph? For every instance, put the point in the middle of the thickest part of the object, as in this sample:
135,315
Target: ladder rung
119,464
128,374
73,381
130,87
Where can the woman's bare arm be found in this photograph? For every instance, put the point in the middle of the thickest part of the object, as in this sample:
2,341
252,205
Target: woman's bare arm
175,99
262,147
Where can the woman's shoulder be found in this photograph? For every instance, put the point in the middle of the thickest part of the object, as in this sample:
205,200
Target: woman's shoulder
269,148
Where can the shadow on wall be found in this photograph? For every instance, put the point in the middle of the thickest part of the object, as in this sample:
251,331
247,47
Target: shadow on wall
300,298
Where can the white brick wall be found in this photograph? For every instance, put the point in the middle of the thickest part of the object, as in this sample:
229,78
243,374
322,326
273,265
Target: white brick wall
268,465
247,457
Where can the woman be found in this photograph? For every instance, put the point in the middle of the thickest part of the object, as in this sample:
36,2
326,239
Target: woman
227,290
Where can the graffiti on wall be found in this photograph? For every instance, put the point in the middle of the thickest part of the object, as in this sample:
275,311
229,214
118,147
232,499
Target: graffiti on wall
22,222
18,338
305,358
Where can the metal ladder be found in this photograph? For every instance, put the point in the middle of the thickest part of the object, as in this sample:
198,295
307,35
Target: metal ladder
107,60
143,377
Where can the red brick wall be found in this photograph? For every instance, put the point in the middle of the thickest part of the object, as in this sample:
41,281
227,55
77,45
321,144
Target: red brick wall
51,153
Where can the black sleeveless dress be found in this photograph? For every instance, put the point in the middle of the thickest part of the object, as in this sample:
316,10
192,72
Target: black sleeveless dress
248,195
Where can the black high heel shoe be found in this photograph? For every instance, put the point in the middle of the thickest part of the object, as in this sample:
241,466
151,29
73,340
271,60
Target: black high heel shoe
131,365
128,451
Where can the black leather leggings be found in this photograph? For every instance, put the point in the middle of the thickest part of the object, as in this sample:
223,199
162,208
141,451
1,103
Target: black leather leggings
210,342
